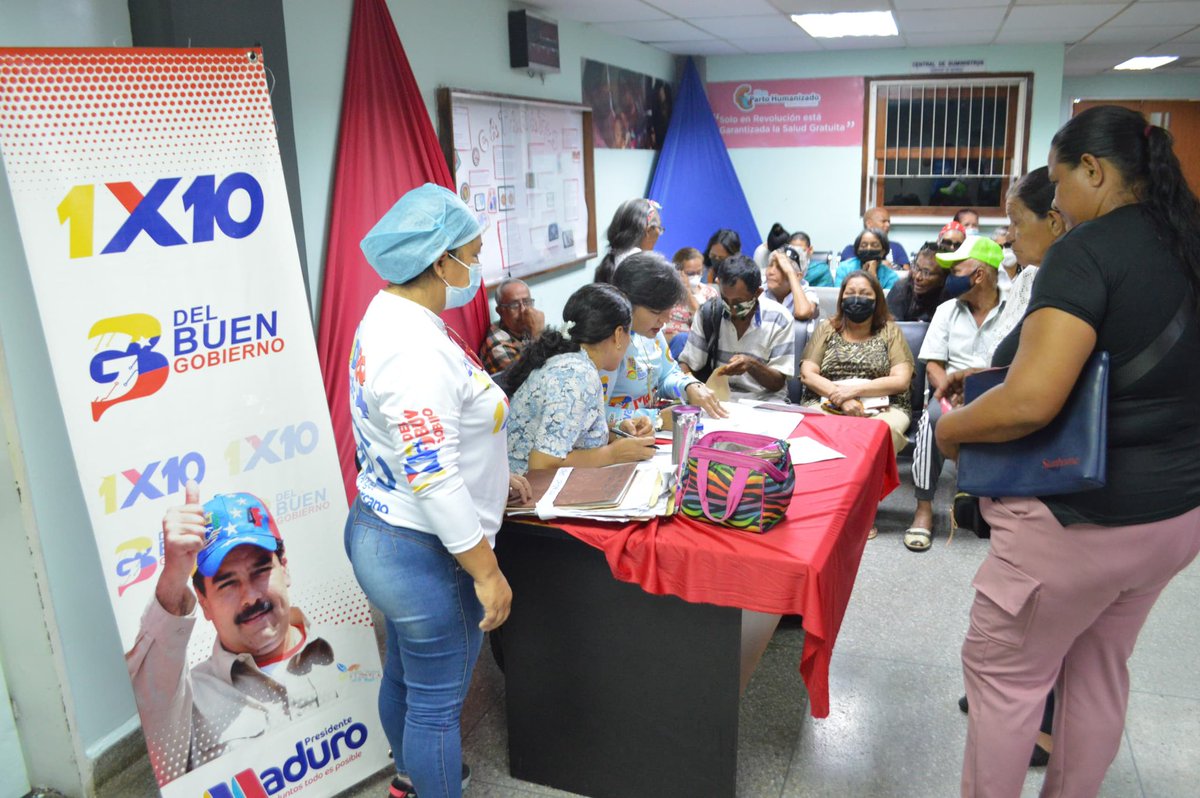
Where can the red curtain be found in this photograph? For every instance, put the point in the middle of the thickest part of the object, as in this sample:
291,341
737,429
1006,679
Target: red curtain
386,147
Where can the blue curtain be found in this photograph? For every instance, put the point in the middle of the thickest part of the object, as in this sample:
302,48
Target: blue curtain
694,180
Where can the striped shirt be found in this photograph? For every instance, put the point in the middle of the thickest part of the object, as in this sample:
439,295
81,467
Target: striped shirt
769,339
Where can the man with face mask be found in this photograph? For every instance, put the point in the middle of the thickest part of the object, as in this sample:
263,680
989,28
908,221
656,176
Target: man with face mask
755,343
881,219
969,219
962,334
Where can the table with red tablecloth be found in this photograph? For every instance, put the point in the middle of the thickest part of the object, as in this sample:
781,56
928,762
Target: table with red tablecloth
805,565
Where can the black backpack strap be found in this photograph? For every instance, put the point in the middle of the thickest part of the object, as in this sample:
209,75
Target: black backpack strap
711,322
1141,365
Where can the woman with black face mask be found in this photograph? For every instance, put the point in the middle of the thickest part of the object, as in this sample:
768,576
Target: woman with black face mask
858,363
871,249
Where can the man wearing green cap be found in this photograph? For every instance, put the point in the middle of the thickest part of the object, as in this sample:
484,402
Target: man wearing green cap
962,334
267,666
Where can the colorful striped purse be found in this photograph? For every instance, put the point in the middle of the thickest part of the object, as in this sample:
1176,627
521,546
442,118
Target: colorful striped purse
738,480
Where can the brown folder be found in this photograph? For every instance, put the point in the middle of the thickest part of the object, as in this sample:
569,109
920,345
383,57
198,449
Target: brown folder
539,481
596,488
586,488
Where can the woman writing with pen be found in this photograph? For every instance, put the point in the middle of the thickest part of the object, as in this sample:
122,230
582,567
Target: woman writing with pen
647,372
557,413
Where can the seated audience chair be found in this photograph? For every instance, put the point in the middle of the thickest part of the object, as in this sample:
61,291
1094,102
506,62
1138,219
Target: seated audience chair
914,334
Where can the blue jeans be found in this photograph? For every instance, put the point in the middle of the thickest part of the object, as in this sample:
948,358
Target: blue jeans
433,640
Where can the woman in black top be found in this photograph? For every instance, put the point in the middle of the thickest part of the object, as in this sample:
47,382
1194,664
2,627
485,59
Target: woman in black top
1070,579
916,298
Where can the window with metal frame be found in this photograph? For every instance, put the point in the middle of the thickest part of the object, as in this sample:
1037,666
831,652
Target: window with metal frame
934,143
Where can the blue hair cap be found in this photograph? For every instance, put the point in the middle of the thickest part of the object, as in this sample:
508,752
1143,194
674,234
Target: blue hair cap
426,222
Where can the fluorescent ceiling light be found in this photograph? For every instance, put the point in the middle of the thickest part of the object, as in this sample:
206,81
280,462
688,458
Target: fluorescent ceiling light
1147,62
854,23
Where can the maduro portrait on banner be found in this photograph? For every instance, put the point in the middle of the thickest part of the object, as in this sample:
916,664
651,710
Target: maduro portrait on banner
151,203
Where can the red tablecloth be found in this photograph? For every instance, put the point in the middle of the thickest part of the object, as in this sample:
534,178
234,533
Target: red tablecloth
805,565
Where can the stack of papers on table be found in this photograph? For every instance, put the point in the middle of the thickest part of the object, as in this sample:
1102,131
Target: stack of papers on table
748,418
621,493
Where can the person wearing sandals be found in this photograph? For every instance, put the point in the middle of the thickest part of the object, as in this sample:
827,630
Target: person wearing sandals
961,335
1070,579
860,358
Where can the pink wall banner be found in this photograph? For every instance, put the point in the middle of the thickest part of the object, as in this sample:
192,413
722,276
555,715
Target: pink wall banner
821,112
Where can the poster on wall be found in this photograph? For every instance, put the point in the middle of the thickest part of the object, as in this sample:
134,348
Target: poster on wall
150,200
630,111
818,112
525,177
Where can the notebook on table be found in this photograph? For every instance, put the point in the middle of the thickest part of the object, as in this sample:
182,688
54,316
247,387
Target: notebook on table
585,488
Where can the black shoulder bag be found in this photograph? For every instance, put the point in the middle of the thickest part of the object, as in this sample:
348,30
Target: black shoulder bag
1003,471
711,313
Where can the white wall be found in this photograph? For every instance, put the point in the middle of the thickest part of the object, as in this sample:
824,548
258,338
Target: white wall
97,693
819,189
434,36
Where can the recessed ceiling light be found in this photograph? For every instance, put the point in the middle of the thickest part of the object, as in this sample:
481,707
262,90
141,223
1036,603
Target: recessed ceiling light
853,23
1147,62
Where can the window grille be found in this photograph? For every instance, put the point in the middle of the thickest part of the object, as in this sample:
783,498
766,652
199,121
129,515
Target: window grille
941,142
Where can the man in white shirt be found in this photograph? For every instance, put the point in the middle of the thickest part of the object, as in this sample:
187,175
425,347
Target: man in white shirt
962,335
754,346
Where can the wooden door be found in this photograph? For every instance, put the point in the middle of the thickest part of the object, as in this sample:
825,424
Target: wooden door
1181,117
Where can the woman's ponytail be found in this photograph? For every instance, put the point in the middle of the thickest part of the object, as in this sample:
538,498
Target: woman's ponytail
1172,202
592,313
1144,156
534,355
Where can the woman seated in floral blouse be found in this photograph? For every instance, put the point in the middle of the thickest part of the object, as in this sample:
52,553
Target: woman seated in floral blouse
557,414
858,363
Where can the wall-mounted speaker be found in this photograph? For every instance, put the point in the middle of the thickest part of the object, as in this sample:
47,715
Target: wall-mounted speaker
532,42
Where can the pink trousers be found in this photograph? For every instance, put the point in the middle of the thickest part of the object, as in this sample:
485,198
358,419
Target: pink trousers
1059,606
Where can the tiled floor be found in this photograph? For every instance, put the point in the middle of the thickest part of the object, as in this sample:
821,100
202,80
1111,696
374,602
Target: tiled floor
895,728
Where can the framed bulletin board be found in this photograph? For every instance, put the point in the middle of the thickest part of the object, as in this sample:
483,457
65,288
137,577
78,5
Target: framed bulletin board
525,167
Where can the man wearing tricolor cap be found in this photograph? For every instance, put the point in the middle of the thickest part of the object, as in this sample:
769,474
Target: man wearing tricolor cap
267,665
962,334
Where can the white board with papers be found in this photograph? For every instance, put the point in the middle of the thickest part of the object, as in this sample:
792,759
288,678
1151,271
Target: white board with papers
525,167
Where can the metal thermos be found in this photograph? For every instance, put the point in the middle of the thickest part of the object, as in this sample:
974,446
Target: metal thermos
684,419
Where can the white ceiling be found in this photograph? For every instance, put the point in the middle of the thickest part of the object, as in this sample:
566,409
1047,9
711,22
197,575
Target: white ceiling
1097,34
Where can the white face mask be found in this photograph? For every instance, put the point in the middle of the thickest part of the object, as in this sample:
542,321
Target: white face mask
694,280
1010,258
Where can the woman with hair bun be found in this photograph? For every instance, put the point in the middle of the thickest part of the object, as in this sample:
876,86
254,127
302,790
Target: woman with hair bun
557,413
1070,578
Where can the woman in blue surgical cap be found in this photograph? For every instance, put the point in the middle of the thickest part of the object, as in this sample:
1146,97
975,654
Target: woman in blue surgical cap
433,481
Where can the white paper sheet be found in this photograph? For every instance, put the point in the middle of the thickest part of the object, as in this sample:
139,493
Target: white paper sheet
806,450
746,418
